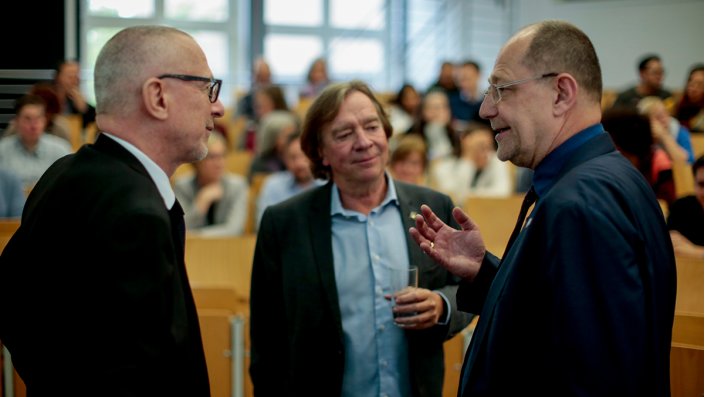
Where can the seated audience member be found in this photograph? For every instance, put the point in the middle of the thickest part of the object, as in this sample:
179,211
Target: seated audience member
408,161
465,102
685,218
446,79
476,171
667,131
650,83
12,195
272,135
435,127
404,109
267,99
631,133
56,123
214,200
689,110
67,84
316,79
261,77
30,151
282,185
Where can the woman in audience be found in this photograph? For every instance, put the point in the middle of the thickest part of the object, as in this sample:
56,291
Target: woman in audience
476,171
404,109
631,133
214,200
435,127
67,85
316,79
685,218
272,135
689,110
267,99
408,161
667,131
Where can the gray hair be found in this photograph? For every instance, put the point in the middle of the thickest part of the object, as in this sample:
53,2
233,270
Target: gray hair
271,126
124,61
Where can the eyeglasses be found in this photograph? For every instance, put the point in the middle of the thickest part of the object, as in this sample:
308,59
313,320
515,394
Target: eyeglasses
213,86
495,90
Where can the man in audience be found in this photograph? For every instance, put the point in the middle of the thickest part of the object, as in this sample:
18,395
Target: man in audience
262,77
30,151
465,102
321,314
650,83
582,301
95,298
297,177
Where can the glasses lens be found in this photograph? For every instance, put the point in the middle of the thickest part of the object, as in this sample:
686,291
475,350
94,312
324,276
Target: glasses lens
215,91
496,94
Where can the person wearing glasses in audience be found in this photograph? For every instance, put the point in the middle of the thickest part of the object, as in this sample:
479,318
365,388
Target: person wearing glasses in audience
582,301
322,321
95,295
651,75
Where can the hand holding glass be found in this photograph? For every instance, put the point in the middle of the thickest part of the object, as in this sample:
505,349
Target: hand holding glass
403,279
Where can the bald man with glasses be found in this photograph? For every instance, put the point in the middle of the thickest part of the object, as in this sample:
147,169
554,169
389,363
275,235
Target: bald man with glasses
94,295
581,303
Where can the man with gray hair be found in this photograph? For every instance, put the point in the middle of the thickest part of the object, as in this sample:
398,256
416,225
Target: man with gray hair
95,296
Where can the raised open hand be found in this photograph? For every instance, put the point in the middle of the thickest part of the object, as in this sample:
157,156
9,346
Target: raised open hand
459,251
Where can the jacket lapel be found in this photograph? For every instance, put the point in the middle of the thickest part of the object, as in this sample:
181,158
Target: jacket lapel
408,209
320,236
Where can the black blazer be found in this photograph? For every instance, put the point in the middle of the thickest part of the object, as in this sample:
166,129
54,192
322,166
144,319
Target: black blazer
94,298
296,328
583,302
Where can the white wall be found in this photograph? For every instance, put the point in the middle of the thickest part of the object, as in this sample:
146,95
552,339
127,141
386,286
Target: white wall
624,30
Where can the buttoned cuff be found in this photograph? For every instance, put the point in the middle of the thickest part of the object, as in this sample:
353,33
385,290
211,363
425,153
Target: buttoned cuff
444,320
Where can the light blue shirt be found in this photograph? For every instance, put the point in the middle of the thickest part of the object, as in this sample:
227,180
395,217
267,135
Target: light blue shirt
155,172
376,356
29,166
278,187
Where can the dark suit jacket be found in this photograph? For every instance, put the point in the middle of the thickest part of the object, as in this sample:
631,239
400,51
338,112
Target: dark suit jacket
94,297
296,329
583,302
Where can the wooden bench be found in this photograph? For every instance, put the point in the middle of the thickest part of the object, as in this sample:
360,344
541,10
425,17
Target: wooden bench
495,217
687,339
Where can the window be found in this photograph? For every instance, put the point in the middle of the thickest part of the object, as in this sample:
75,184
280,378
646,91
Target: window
210,22
353,36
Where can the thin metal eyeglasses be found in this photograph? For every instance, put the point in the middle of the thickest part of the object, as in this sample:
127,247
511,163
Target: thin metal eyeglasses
495,90
213,86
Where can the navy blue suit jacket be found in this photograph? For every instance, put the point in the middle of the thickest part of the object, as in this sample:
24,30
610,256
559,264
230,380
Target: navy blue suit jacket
583,302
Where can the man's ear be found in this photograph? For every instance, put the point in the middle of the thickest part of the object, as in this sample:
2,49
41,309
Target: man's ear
567,89
155,99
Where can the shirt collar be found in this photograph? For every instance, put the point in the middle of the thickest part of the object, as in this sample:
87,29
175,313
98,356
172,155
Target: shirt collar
548,170
336,206
161,180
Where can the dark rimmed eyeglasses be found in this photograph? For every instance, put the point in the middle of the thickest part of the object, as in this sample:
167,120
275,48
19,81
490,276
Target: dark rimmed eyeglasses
495,90
213,84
